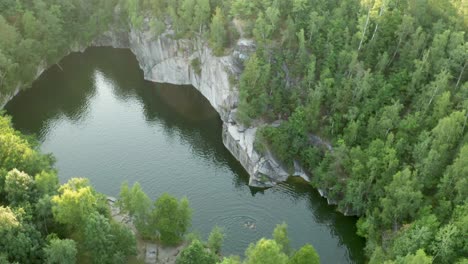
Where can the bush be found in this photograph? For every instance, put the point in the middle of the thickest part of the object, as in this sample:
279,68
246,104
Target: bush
216,239
196,65
172,218
196,254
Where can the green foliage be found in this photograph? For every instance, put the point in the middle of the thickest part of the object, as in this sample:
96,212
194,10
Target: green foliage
157,27
106,242
124,241
253,89
8,219
305,255
19,152
265,251
133,8
418,235
215,240
402,200
60,251
37,34
46,183
231,260
280,235
137,204
196,65
172,218
444,244
218,33
419,258
18,187
196,253
168,220
74,203
22,243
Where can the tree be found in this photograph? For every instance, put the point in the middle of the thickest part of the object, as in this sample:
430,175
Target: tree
186,15
266,252
8,219
137,204
402,198
108,242
215,240
19,187
134,201
9,35
196,253
454,185
305,255
22,244
280,235
252,89
172,218
231,260
43,210
74,203
261,30
124,241
218,33
31,26
98,239
243,8
134,13
419,258
46,182
60,251
443,139
444,244
202,14
415,236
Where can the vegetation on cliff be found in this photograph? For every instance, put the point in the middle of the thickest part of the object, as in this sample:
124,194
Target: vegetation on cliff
35,34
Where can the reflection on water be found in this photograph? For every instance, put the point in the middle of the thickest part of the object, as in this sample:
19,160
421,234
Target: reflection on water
103,121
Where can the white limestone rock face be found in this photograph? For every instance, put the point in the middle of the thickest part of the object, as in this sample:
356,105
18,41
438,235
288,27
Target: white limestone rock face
167,60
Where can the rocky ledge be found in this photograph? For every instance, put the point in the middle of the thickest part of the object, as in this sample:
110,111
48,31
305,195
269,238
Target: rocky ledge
165,59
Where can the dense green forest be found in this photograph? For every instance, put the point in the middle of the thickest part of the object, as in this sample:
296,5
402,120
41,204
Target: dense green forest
36,34
383,82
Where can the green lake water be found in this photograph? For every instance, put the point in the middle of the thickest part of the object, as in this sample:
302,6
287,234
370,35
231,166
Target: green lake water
103,121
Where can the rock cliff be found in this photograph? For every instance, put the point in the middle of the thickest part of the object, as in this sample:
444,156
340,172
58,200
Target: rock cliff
168,60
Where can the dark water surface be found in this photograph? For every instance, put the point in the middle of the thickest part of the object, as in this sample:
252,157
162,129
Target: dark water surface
103,121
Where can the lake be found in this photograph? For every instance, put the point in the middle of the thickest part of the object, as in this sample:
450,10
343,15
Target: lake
103,121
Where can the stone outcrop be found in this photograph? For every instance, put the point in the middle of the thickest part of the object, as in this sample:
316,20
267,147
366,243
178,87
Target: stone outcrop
167,60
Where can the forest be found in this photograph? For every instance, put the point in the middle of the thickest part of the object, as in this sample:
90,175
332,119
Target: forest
383,82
